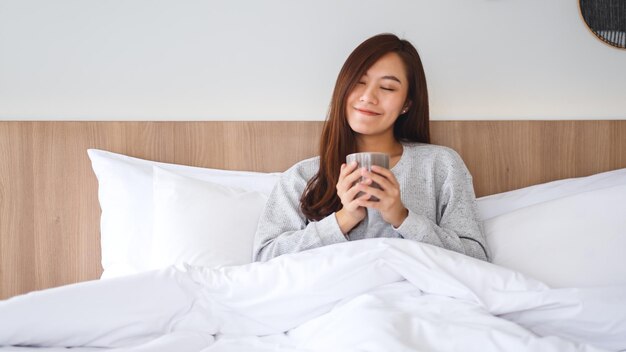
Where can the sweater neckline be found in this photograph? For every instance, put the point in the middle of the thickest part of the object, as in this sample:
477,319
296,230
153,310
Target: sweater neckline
402,157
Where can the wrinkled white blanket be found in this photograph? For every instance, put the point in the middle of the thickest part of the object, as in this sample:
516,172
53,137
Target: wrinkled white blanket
368,295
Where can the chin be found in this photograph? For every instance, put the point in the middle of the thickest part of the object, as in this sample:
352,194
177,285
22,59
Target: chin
366,128
367,131
360,128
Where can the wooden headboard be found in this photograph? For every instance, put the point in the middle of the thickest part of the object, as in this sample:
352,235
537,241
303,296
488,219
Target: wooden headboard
49,211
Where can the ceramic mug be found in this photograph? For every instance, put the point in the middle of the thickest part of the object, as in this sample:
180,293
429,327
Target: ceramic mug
366,160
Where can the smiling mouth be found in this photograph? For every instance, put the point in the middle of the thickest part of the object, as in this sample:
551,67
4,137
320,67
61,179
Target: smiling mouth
367,112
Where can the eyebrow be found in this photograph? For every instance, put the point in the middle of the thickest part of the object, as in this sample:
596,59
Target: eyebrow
389,77
393,78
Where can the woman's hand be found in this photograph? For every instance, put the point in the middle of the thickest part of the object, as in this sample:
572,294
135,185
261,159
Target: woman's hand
347,188
389,203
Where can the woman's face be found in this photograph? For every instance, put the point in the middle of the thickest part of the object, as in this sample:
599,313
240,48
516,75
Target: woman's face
379,97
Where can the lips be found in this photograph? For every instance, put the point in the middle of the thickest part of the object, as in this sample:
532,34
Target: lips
366,112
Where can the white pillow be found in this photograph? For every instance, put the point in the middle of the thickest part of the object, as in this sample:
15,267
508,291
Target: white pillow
497,204
202,223
125,195
574,241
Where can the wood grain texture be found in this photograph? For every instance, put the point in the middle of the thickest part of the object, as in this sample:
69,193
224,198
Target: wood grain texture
507,155
17,269
49,211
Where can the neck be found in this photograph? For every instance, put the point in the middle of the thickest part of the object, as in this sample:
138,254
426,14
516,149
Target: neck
379,144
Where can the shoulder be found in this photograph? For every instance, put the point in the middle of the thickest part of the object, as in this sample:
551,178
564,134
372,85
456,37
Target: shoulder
442,163
293,181
436,154
302,170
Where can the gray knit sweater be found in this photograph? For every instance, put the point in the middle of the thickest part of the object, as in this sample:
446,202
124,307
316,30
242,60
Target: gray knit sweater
435,187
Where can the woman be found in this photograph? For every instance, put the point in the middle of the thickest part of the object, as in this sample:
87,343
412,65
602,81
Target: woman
380,104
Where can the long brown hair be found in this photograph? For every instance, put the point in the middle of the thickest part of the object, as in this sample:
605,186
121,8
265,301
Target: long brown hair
320,199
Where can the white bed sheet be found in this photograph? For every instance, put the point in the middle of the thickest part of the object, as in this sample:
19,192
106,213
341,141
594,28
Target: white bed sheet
373,295
50,349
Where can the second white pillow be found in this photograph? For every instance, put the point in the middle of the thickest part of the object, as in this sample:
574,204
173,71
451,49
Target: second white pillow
202,223
575,241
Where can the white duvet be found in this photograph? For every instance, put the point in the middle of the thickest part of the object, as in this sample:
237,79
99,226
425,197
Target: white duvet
368,295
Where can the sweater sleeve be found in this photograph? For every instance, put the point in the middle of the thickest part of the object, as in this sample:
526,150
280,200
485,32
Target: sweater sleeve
282,226
458,227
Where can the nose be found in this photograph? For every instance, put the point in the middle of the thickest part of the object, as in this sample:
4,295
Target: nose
368,95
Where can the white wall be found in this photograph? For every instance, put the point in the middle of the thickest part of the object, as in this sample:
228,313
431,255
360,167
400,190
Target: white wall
278,59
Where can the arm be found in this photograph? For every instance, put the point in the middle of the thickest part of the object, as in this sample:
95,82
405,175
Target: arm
458,228
284,229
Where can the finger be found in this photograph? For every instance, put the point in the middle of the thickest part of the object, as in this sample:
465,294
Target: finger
382,181
347,169
365,202
351,178
344,184
345,187
385,173
348,194
380,194
351,194
362,198
342,170
351,166
380,197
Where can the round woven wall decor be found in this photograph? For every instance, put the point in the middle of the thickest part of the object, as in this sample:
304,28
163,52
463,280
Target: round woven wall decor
606,19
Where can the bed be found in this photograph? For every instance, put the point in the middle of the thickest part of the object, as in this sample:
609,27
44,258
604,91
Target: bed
541,184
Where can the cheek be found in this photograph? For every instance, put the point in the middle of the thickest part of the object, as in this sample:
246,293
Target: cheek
353,96
394,106
351,100
399,102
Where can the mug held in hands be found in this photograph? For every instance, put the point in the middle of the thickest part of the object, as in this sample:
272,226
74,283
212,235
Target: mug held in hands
366,160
